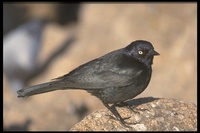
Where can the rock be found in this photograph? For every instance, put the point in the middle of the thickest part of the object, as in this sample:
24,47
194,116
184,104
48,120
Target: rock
149,114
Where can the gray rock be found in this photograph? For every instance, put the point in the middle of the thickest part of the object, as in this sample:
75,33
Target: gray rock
20,51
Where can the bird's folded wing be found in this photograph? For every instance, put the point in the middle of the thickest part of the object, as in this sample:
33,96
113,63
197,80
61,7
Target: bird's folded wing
101,80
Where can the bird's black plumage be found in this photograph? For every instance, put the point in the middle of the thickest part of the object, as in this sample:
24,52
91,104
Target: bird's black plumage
113,78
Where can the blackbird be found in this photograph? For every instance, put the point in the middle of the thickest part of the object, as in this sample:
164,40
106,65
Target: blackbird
114,78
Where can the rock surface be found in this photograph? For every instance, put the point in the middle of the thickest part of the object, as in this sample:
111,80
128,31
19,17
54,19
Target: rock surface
153,114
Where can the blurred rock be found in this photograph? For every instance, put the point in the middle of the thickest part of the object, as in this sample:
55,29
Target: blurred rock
19,127
20,51
80,110
153,114
67,13
13,16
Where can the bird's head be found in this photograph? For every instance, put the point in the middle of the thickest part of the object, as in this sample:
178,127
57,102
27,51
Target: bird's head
141,50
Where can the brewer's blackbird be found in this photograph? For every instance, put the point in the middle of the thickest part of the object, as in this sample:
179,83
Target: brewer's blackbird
113,78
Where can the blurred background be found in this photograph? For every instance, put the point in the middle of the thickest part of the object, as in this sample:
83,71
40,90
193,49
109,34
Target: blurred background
45,41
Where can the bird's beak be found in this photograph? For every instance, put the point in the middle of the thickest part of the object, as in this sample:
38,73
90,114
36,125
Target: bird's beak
154,53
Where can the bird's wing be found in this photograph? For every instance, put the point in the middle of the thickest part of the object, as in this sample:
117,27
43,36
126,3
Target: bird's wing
100,73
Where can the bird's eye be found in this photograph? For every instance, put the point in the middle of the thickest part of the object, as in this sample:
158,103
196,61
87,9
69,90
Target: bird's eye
140,52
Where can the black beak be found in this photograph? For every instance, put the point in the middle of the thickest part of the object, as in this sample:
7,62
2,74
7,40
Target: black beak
154,53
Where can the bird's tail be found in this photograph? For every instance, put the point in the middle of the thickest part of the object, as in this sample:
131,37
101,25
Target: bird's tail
37,89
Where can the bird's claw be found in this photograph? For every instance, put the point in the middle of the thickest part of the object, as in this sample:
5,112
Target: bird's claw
126,124
137,110
122,121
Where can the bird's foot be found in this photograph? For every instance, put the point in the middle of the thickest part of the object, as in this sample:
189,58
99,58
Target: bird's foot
125,123
131,107
118,116
122,121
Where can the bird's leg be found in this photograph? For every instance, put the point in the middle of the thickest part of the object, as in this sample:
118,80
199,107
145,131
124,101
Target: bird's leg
116,114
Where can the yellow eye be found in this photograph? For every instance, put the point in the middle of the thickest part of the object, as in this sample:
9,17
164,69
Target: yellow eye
140,52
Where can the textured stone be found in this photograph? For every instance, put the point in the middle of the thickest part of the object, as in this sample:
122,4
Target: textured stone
164,115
